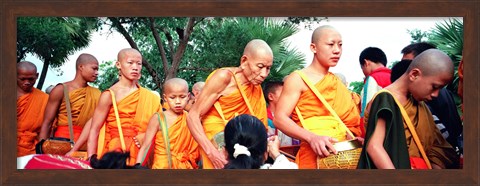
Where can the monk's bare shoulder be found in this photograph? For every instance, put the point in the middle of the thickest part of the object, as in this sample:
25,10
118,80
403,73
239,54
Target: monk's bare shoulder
294,82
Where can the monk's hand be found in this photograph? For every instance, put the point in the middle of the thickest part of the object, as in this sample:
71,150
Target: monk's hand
360,139
69,153
321,145
217,158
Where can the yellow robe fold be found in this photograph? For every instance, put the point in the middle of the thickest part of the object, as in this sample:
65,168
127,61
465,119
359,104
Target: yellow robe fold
232,105
340,99
82,102
183,147
134,112
30,109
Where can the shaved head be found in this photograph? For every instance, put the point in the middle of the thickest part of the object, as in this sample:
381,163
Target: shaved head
431,62
198,86
257,47
174,82
84,59
26,66
320,30
122,54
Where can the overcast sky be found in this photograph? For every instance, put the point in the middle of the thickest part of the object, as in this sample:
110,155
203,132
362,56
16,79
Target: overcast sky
388,33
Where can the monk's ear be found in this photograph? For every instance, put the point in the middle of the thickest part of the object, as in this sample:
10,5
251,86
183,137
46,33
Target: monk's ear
117,64
313,48
243,61
414,74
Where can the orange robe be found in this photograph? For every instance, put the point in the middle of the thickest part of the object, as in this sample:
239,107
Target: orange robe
340,99
82,102
135,111
30,109
183,147
232,105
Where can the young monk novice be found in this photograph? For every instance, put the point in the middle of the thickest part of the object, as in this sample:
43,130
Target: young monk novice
31,103
135,104
227,93
389,142
83,99
327,48
174,146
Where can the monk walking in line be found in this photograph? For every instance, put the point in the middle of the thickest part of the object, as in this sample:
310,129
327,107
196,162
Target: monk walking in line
229,92
31,103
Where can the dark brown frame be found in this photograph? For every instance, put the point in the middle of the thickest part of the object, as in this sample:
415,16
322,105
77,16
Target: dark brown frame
10,9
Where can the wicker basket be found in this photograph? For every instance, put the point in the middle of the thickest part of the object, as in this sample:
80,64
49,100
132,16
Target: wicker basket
348,153
58,146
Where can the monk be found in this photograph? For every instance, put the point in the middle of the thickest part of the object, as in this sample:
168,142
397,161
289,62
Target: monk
31,103
224,88
388,142
135,104
327,48
181,149
83,99
196,89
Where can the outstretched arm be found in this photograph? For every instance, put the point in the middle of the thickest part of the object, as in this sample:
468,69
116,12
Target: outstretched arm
152,130
98,118
209,95
292,89
83,137
51,110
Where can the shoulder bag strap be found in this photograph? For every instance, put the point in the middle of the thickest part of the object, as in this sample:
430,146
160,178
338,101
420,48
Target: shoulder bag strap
410,128
166,139
120,132
364,101
325,103
69,111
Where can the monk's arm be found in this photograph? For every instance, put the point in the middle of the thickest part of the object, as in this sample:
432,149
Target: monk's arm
375,148
210,93
51,110
98,118
152,129
292,89
82,138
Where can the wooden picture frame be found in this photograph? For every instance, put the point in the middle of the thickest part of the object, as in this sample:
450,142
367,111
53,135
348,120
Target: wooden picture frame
11,9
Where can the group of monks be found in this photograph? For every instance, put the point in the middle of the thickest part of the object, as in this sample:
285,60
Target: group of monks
129,118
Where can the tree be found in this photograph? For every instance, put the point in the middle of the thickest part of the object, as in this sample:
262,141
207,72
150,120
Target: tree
52,39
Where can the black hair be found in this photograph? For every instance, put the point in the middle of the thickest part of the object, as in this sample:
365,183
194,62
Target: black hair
373,54
249,131
417,48
269,87
112,160
399,69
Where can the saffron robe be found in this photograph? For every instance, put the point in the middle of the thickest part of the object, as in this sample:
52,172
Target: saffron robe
183,147
340,99
135,111
82,102
30,109
399,143
233,105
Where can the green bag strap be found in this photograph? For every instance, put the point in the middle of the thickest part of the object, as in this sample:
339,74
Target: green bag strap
69,112
322,99
166,139
410,128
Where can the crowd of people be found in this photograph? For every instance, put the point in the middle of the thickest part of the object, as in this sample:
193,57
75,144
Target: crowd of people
403,117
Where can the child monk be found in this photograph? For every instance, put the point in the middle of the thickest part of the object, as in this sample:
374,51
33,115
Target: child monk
389,142
174,145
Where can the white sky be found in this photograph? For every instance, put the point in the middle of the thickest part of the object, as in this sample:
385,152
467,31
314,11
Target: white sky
387,33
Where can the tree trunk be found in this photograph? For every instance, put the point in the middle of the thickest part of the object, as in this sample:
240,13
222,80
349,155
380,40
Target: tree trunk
41,80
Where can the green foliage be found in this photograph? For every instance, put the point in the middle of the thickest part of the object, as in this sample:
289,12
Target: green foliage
52,39
356,86
418,35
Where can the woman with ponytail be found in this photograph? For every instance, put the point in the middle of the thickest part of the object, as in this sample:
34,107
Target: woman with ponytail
247,145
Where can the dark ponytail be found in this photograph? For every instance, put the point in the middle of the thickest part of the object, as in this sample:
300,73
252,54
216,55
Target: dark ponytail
250,132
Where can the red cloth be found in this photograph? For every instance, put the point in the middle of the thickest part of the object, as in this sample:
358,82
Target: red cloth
51,161
382,76
418,163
